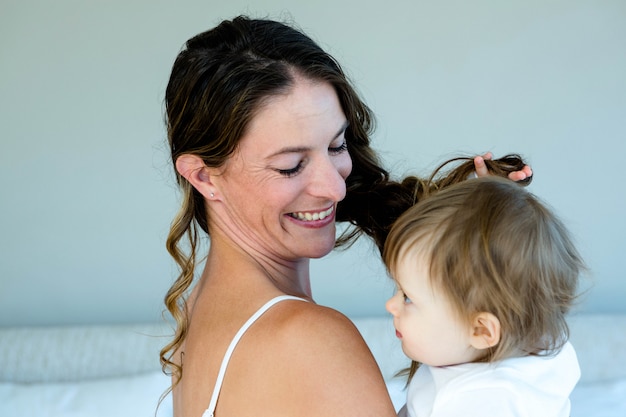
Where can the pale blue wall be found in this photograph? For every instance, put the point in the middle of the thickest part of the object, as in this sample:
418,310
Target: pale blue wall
86,189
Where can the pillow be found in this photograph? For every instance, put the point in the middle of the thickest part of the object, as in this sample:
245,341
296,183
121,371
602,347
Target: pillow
77,353
130,396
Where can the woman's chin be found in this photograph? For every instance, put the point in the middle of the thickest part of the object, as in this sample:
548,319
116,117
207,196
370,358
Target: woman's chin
318,250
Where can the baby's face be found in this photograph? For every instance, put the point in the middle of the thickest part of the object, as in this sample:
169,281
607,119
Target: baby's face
426,323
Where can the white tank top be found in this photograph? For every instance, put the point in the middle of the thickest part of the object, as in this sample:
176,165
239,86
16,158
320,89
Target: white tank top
220,376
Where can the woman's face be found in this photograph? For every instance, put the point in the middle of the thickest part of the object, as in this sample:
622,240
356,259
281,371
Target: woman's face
279,191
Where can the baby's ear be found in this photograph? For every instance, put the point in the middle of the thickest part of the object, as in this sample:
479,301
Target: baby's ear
485,331
193,169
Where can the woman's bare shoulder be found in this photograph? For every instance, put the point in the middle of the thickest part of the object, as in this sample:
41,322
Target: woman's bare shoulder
324,352
319,325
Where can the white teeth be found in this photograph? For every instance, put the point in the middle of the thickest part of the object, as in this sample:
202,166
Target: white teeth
313,216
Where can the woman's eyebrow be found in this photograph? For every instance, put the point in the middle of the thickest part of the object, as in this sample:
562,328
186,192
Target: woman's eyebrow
298,149
342,129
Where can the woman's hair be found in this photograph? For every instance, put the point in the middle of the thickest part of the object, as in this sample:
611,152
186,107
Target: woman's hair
375,207
219,81
494,247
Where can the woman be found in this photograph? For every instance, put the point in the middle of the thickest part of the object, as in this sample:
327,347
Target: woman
267,137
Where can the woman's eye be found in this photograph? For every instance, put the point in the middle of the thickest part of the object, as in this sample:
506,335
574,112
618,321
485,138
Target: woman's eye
335,150
291,171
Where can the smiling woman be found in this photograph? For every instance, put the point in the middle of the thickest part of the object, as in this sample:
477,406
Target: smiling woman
264,128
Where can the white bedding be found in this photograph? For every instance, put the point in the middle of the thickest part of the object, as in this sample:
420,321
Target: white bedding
138,396
601,399
112,397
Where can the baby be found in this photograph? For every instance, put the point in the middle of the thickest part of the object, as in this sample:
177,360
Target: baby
485,275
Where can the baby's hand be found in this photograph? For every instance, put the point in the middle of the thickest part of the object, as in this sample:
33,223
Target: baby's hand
482,171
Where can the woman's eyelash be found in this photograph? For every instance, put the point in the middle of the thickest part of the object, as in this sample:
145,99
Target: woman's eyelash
291,171
332,150
339,149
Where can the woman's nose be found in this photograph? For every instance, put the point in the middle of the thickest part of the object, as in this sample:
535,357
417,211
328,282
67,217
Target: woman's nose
330,180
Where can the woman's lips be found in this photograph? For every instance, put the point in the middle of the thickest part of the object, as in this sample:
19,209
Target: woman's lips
313,216
398,335
314,220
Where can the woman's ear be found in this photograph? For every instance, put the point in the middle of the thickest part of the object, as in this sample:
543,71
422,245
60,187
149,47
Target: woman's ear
485,331
193,169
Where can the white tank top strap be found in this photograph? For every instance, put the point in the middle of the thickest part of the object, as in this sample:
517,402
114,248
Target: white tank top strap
220,376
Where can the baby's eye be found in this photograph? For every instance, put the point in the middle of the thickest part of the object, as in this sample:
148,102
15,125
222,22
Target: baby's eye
406,299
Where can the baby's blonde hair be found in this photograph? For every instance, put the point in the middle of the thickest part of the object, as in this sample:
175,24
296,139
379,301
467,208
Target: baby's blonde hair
494,247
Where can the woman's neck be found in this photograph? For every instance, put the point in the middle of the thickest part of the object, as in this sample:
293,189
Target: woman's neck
253,269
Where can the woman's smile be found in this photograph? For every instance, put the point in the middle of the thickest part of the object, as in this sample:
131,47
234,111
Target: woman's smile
308,216
314,219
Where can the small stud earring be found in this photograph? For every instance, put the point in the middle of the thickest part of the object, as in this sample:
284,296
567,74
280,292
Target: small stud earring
212,195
